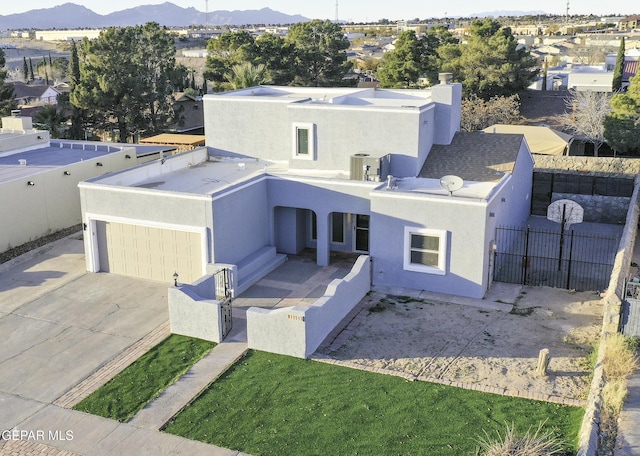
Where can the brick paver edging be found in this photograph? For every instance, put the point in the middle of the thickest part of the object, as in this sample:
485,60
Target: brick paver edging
113,367
30,448
469,386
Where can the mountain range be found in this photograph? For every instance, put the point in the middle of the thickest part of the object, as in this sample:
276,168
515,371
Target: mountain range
72,16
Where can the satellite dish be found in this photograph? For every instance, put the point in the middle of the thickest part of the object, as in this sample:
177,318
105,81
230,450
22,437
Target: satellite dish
451,183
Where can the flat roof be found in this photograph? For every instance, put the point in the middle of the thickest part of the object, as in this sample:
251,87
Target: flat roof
356,97
55,155
432,187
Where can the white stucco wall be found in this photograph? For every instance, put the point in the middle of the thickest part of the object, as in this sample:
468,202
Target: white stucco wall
52,203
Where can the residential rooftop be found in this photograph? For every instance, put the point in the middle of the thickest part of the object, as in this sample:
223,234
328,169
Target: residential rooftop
370,97
477,156
16,165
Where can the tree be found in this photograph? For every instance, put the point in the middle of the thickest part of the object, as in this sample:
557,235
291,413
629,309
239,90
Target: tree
227,50
490,62
125,79
77,125
618,70
246,75
50,118
31,69
402,66
587,111
25,69
622,124
278,56
478,114
7,100
321,58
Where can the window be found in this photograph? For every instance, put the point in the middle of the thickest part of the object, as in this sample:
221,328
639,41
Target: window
336,224
304,140
425,250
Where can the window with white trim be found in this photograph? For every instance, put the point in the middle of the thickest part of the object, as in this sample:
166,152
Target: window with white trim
304,141
425,250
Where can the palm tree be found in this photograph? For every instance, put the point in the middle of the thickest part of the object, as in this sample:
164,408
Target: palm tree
246,75
49,118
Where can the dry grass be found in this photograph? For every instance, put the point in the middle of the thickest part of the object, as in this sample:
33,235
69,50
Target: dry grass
619,362
620,359
533,443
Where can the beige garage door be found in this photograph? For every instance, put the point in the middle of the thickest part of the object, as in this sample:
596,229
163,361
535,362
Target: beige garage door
149,253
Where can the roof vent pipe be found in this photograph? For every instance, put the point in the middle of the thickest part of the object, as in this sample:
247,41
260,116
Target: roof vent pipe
445,78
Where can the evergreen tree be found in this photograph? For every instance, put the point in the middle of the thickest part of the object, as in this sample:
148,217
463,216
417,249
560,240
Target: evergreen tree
320,53
31,69
622,125
25,69
490,62
7,100
619,68
126,79
544,75
77,127
205,89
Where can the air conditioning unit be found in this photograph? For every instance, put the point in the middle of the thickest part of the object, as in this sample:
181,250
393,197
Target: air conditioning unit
366,167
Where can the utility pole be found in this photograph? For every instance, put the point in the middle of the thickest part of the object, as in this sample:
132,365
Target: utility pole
206,15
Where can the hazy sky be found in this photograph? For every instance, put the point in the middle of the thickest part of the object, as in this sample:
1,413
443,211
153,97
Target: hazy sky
354,10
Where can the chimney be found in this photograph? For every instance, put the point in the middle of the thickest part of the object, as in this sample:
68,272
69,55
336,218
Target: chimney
445,78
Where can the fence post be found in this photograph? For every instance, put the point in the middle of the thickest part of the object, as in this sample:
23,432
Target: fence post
569,265
525,259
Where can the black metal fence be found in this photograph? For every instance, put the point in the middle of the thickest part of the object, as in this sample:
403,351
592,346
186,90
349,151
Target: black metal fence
553,258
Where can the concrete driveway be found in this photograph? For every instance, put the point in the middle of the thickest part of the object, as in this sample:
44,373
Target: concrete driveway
59,323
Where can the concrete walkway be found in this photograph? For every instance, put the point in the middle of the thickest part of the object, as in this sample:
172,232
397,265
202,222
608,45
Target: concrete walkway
628,441
158,412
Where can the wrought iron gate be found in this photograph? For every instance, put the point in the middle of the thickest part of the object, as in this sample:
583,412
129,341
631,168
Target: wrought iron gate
630,322
223,294
553,258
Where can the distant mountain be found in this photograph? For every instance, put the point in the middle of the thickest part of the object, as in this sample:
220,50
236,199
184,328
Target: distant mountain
72,16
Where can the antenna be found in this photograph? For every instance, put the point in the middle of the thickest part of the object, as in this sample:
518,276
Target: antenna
451,183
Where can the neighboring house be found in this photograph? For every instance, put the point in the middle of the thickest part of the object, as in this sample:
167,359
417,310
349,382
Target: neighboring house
629,23
39,179
190,110
331,169
34,94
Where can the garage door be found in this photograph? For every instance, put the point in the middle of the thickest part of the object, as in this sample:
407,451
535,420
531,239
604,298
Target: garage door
149,253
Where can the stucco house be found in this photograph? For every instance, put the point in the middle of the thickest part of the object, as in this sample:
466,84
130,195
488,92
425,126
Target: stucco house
331,169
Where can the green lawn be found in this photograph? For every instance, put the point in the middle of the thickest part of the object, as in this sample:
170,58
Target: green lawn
129,391
275,405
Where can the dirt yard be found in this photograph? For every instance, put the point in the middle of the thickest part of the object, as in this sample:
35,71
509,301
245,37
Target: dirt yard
479,345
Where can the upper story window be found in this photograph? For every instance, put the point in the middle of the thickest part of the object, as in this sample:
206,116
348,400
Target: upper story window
304,141
425,250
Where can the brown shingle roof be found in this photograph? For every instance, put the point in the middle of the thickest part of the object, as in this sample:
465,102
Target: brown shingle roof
477,156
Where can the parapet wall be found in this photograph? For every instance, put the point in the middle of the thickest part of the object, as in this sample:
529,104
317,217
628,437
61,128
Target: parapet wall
594,166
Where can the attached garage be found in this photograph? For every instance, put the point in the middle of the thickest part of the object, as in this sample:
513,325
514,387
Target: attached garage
149,252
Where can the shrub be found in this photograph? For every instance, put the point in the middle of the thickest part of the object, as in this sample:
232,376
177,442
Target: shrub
532,443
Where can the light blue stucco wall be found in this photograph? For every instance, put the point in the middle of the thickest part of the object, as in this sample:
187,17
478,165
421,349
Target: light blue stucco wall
464,223
240,222
323,196
263,128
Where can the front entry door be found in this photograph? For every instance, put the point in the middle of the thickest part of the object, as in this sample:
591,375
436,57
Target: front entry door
361,238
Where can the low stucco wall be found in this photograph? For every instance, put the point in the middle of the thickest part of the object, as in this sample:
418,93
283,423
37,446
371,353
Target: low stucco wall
298,331
597,166
191,314
612,304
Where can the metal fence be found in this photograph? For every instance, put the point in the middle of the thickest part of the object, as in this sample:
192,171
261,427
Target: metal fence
554,258
630,319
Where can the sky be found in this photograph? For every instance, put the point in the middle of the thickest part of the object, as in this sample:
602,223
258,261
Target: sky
354,10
